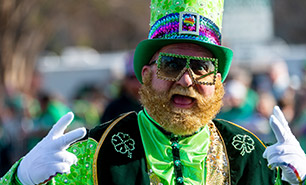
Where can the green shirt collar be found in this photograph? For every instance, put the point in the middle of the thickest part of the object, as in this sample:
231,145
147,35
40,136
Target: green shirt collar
193,151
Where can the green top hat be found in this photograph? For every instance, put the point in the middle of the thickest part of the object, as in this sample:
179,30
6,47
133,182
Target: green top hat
184,21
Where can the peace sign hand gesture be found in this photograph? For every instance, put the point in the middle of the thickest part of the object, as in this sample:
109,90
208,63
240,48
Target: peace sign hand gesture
49,156
287,152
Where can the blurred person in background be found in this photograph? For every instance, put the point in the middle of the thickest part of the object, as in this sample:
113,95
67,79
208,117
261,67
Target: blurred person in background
276,81
287,103
88,105
281,87
11,118
239,99
258,122
279,77
299,123
51,108
40,108
30,98
27,114
128,99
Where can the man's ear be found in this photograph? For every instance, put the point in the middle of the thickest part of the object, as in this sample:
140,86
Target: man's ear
145,70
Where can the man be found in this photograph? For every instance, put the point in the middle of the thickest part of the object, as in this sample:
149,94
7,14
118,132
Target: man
174,140
128,99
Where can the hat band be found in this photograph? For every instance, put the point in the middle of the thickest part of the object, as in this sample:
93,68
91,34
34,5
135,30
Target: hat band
186,26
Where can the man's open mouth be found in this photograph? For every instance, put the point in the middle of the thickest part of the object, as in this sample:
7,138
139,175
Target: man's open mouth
182,101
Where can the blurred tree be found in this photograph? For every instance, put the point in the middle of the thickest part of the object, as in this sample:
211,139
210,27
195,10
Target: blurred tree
104,25
25,26
28,27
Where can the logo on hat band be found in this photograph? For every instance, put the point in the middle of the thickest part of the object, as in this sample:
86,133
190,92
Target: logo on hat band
189,23
186,25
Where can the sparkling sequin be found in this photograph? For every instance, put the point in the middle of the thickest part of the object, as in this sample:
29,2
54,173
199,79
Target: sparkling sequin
168,27
180,179
175,145
78,173
217,161
177,162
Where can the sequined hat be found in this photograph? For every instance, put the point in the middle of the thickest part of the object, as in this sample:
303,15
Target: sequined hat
184,21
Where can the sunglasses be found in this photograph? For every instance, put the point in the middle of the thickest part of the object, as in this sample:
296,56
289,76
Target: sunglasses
171,67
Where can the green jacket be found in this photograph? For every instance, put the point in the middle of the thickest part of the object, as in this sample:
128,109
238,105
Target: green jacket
103,161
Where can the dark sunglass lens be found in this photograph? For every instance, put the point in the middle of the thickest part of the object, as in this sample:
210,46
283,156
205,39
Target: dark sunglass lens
200,67
171,66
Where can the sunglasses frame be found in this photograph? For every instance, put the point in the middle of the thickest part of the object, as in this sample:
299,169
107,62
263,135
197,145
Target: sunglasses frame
187,67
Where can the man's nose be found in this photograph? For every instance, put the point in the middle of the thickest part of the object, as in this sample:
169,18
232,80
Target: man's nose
185,80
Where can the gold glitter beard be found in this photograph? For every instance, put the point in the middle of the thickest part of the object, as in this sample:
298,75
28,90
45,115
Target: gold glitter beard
176,120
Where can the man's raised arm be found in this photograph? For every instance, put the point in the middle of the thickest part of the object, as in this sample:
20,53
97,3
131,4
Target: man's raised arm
49,157
287,152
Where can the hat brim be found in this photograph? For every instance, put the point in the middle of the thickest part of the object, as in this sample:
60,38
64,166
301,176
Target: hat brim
147,48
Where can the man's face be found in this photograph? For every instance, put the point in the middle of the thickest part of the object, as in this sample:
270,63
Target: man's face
186,80
181,107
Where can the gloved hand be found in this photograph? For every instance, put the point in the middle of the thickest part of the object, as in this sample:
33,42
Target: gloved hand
49,156
287,152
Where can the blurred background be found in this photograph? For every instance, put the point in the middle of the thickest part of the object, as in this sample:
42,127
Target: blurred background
74,55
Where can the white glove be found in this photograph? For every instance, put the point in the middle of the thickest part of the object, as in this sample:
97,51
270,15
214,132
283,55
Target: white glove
49,157
287,152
